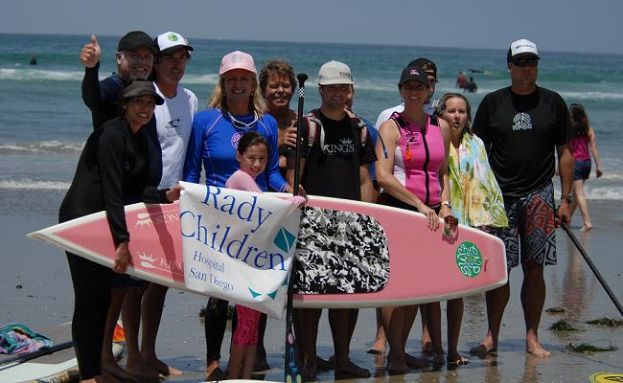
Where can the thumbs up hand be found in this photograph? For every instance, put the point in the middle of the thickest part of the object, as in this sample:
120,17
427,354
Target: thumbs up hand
90,53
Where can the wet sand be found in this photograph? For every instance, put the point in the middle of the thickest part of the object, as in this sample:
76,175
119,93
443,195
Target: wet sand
35,289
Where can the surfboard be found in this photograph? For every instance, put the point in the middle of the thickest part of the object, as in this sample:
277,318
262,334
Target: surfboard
424,266
59,366
606,377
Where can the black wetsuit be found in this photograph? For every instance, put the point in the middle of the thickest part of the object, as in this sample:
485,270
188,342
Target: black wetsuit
113,171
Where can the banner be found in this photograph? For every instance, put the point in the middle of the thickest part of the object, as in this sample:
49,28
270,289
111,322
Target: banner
238,245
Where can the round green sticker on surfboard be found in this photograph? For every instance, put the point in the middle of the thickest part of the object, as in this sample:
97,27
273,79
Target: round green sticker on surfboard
469,259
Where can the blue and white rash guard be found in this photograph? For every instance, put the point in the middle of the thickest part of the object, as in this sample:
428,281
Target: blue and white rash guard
214,141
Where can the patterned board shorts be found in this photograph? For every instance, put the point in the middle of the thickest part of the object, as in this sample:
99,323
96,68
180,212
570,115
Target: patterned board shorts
340,252
531,234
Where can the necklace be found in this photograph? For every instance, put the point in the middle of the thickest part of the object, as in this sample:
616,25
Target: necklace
241,124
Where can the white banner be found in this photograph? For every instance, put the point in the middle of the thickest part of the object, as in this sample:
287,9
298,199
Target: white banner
238,246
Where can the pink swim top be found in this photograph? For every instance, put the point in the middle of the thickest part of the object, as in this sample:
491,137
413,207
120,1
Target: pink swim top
579,145
418,158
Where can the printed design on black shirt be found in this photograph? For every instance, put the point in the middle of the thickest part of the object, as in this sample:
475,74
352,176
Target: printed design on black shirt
173,127
522,121
344,146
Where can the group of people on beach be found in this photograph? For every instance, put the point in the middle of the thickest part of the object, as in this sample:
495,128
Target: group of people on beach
494,174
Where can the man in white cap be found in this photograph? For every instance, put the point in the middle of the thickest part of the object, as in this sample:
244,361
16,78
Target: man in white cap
336,152
523,126
174,121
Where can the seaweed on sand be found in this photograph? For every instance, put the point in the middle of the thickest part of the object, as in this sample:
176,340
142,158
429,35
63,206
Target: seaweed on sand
562,325
589,348
605,321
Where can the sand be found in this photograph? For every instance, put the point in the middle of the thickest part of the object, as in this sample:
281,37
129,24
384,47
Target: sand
35,289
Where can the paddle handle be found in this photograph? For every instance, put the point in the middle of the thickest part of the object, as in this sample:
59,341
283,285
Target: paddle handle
301,77
593,267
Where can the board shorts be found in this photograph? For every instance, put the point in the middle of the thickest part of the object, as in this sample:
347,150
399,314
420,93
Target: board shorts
531,232
581,170
340,252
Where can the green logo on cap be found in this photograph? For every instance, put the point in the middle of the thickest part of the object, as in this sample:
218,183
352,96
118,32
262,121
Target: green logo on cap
173,37
468,259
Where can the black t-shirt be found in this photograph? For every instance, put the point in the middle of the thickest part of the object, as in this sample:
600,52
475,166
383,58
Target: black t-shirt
521,133
333,169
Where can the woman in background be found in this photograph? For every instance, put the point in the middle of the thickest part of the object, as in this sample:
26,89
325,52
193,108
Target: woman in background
475,195
583,141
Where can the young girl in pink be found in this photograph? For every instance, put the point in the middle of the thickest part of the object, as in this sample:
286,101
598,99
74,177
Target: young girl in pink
253,156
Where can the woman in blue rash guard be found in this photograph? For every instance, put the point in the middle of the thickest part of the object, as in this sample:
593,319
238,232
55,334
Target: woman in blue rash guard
236,107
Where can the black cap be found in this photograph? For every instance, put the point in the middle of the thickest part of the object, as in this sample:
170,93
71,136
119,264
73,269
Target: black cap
134,40
139,88
426,64
414,72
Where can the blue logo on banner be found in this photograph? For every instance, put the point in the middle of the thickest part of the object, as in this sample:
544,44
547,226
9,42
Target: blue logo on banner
284,240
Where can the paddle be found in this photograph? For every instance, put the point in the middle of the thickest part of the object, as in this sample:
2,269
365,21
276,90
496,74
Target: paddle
35,354
593,267
291,369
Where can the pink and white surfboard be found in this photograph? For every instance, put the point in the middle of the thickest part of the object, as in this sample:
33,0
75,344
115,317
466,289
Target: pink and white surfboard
425,266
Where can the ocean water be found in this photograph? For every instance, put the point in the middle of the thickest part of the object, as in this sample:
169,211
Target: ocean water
44,123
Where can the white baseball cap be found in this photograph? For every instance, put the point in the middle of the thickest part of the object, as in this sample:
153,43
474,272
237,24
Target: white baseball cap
521,47
334,72
167,41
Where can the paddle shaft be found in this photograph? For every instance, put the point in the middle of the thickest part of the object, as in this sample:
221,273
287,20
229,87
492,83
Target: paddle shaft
291,369
301,77
593,267
35,354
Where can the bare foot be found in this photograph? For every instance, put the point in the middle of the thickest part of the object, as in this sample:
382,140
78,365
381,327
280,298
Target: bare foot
378,347
534,347
483,349
111,371
586,227
142,371
415,362
351,371
427,347
309,373
396,365
162,368
213,372
455,359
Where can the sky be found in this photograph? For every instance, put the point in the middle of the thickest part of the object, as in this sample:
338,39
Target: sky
555,25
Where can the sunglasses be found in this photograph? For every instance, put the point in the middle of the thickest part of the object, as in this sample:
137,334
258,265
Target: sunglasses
523,62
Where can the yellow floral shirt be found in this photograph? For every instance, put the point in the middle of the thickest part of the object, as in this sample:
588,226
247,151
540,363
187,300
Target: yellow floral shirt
475,195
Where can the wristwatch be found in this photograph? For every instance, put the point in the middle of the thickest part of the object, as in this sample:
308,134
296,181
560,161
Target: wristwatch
446,203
